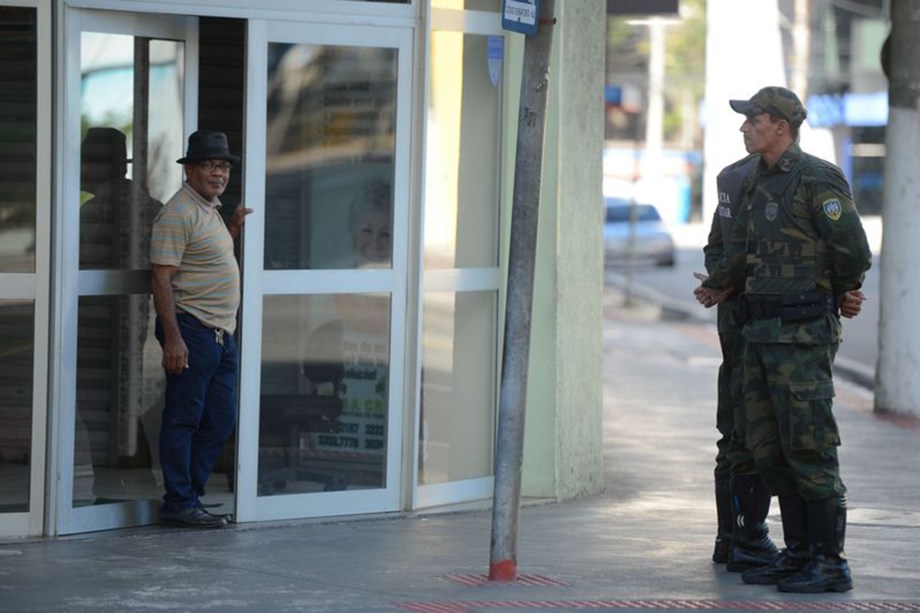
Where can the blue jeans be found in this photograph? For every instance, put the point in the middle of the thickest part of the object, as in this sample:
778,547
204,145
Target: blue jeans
199,413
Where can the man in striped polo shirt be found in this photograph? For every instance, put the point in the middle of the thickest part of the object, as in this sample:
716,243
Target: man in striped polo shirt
196,293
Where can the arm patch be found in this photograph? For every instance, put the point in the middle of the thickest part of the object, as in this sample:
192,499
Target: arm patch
832,208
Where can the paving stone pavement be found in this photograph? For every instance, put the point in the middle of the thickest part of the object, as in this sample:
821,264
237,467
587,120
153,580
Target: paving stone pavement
641,545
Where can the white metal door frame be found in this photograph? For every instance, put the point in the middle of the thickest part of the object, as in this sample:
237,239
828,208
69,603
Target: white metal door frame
452,280
260,283
34,286
70,283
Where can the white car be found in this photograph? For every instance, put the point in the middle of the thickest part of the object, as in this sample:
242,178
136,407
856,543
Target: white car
652,243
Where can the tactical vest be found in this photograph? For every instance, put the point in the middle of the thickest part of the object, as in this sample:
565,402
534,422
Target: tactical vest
730,184
785,254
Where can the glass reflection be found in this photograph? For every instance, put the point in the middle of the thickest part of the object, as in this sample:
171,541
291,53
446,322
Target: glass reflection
325,385
115,221
331,115
458,386
119,398
128,150
17,325
18,152
464,151
127,165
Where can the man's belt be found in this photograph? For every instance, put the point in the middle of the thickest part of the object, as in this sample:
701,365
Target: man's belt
789,307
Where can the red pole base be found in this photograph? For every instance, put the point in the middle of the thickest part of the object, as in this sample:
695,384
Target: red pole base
505,570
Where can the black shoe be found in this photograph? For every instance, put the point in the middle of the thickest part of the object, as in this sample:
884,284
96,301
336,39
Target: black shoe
821,574
226,517
786,564
192,518
744,556
827,570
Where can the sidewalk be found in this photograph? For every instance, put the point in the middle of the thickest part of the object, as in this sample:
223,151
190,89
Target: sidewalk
644,544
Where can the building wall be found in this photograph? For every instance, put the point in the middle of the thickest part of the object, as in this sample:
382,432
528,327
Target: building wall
563,455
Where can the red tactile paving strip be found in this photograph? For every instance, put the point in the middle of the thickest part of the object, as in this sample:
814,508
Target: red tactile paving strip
469,606
477,580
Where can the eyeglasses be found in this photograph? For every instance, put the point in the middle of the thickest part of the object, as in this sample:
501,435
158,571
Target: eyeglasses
209,165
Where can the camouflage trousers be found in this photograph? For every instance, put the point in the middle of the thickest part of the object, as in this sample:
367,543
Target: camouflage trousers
733,455
791,430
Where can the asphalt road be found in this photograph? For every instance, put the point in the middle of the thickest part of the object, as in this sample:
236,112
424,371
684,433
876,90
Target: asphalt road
860,342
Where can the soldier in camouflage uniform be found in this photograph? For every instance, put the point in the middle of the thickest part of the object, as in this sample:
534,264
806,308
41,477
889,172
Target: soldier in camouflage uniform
800,254
742,498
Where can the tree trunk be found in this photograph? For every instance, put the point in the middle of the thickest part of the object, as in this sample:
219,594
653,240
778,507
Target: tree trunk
897,381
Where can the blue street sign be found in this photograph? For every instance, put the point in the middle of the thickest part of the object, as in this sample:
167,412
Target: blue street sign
520,16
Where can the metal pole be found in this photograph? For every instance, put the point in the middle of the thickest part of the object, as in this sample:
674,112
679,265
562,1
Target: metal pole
521,259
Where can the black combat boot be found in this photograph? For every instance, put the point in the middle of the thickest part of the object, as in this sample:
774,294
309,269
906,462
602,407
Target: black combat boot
827,569
794,557
751,544
723,518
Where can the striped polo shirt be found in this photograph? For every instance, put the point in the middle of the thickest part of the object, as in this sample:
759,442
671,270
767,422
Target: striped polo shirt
189,233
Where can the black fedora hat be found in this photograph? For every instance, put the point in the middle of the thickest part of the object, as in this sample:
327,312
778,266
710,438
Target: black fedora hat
208,145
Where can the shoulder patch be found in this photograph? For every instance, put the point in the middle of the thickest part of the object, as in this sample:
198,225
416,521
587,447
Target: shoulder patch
832,209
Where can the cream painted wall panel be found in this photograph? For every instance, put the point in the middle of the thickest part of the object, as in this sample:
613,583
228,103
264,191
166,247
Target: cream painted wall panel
563,454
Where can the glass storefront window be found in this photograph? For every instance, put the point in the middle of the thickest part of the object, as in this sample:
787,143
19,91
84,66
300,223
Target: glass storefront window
132,117
119,399
17,321
458,386
18,152
127,158
18,208
464,152
324,390
329,159
461,233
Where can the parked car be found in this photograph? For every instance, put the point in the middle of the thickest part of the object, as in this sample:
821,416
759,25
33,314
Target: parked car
653,242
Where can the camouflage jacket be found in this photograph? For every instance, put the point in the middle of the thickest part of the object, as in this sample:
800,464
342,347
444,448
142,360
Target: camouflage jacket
798,231
730,183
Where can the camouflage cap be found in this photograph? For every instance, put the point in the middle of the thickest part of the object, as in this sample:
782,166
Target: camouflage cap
777,101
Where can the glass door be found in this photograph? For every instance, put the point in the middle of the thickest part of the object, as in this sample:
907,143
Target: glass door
325,269
461,277
130,84
25,213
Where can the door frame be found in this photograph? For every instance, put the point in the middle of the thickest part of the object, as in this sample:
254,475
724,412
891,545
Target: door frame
259,283
461,280
69,283
34,286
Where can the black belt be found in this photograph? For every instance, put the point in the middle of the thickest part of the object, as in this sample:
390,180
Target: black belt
789,307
